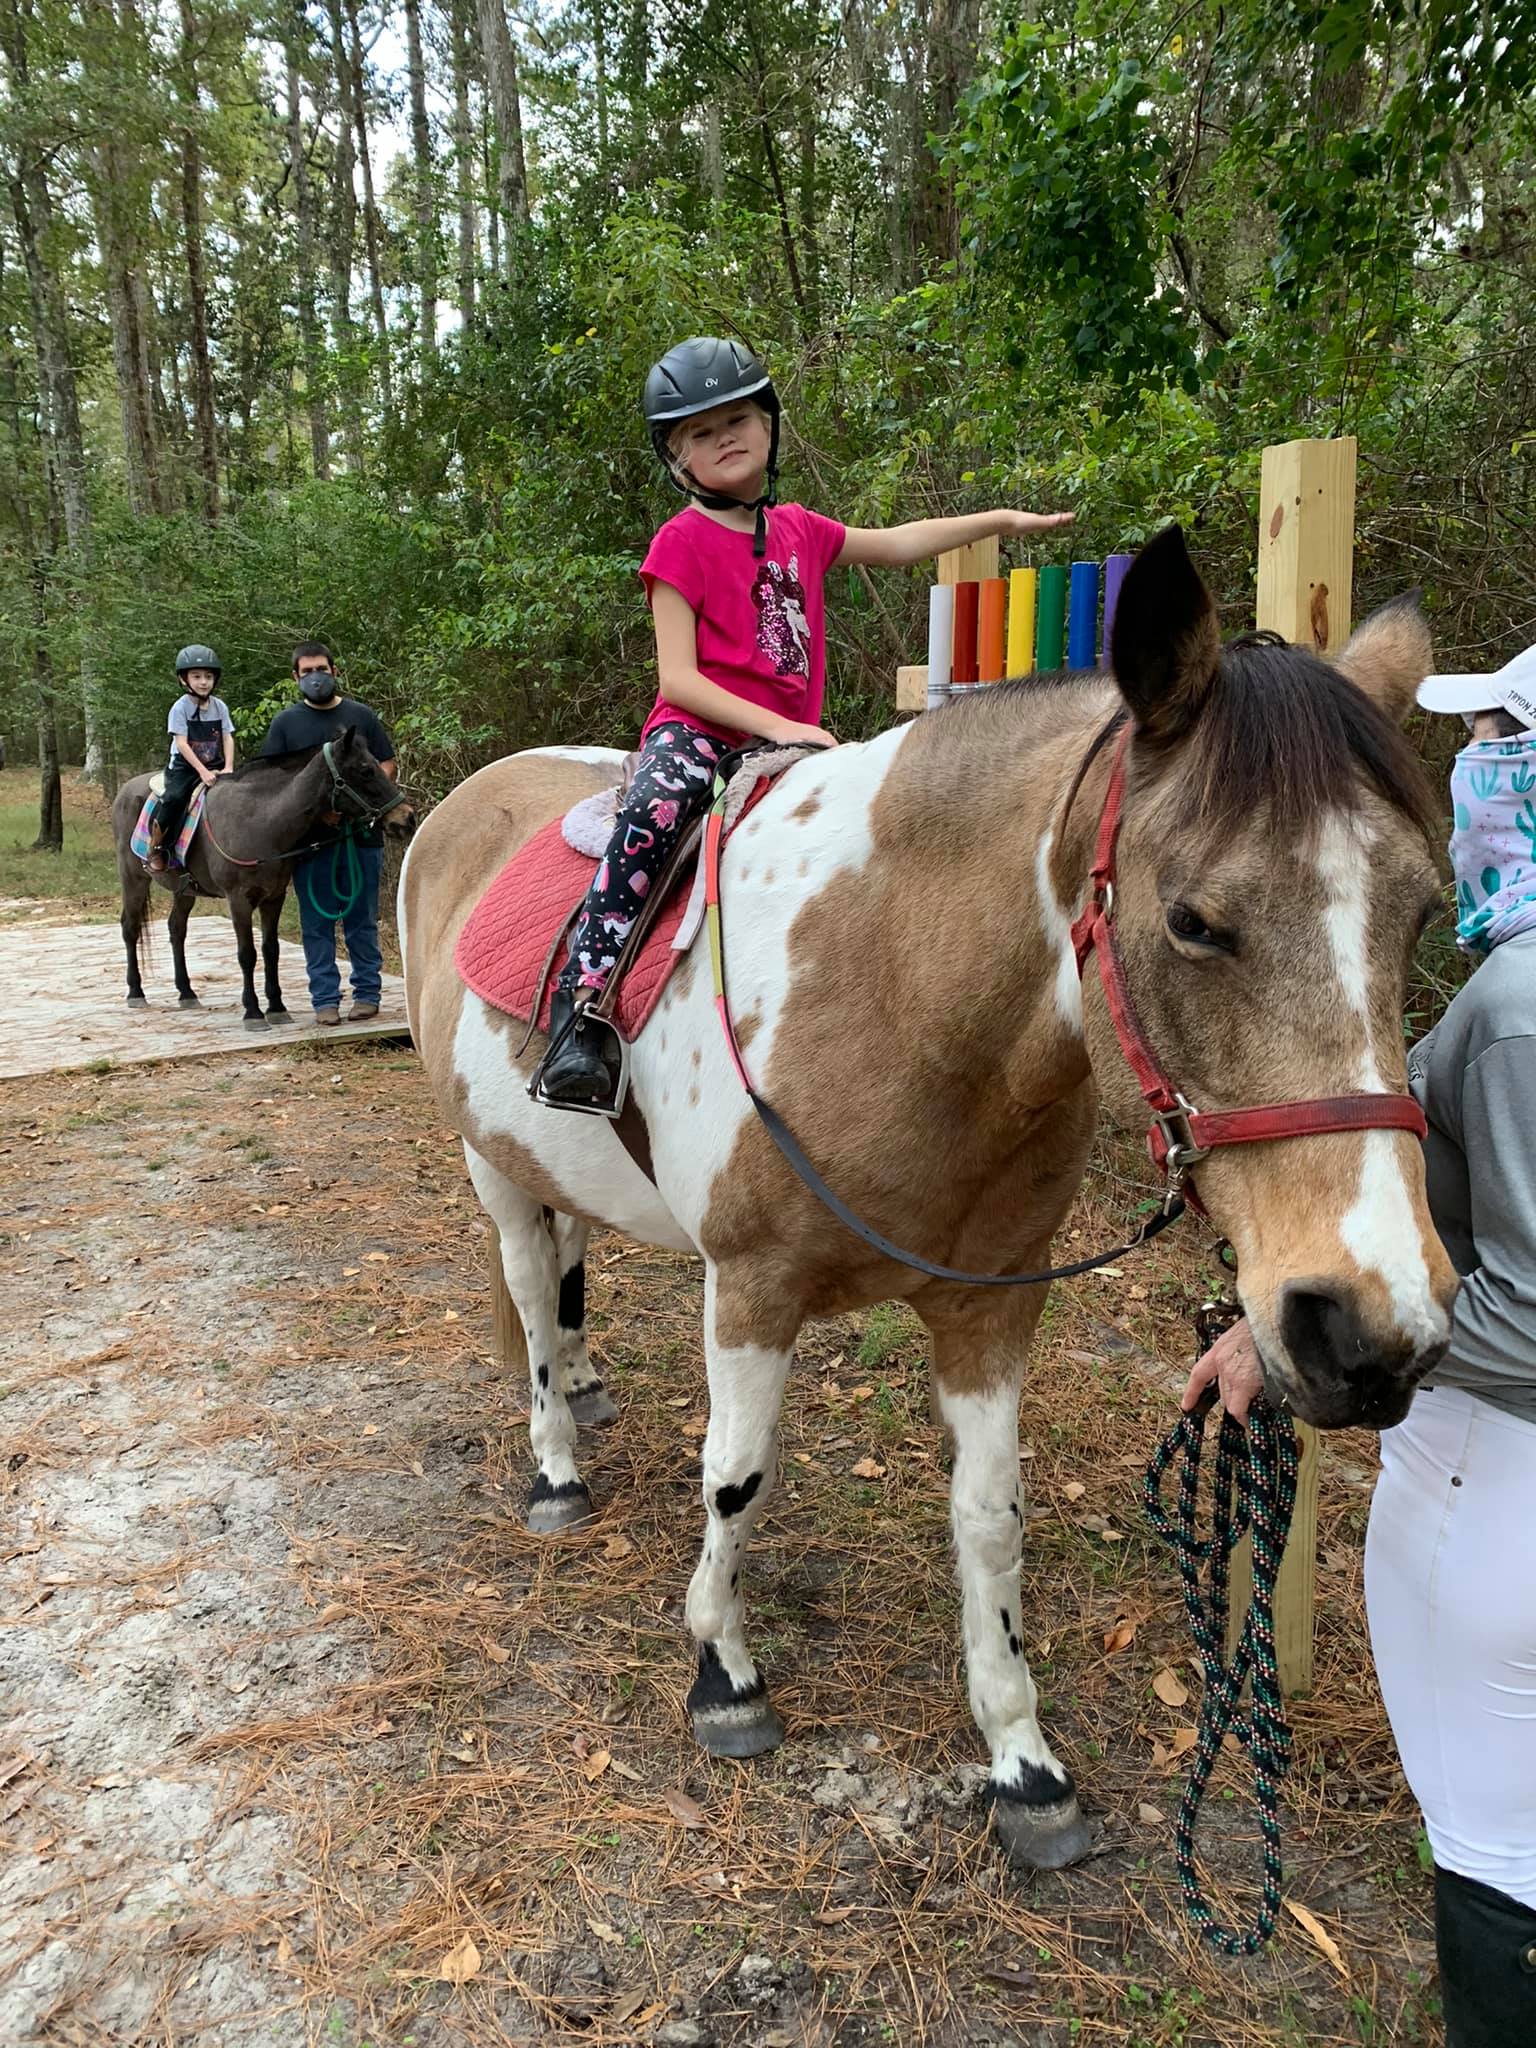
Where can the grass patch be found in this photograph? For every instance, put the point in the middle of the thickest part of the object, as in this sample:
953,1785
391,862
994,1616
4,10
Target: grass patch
85,870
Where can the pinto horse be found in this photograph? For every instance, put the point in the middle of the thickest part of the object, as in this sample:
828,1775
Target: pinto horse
898,948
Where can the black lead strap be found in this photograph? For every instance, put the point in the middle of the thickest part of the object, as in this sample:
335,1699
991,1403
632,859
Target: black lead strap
1170,1212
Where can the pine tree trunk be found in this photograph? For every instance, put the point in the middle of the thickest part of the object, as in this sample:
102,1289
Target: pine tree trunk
50,792
304,239
340,244
506,102
464,165
32,206
425,193
197,291
954,28
600,68
129,355
371,236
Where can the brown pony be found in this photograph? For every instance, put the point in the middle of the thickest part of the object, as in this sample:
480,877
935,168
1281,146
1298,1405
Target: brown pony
898,951
262,814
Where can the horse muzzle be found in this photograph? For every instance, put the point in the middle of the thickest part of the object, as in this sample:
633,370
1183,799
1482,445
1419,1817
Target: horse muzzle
400,822
1337,1368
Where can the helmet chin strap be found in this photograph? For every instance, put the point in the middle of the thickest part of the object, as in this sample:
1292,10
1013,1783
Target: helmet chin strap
718,501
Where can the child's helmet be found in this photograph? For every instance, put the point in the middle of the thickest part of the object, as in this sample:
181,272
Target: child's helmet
198,656
695,376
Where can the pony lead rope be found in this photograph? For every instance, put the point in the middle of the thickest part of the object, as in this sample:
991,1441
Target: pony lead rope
1261,1463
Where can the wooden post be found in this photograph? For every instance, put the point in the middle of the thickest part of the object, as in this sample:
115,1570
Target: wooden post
506,1324
1305,588
1307,542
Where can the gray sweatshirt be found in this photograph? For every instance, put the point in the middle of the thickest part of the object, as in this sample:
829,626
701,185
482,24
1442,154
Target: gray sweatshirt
1475,1076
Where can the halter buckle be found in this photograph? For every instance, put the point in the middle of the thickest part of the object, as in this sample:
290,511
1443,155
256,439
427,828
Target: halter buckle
1180,1152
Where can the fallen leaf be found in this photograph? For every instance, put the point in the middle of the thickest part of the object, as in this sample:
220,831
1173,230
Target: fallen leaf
595,1765
239,1685
832,1917
1152,1815
350,1272
617,1547
683,1809
460,1964
284,1952
377,1259
624,1771
1320,1935
1184,1740
1099,1527
696,1425
370,1429
496,1653
1074,1489
1120,1637
868,1468
110,1783
450,1315
335,1612
628,2006
1169,1688
609,1935
1161,1754
87,1426
1015,1980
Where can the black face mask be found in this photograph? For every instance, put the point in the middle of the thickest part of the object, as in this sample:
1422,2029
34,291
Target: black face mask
318,686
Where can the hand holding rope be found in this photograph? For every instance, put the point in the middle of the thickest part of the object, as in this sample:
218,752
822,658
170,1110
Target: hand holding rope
1253,1490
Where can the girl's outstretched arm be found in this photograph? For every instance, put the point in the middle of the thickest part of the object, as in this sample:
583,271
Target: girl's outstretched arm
677,665
893,547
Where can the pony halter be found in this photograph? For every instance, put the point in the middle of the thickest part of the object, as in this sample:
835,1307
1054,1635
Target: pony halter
1180,1135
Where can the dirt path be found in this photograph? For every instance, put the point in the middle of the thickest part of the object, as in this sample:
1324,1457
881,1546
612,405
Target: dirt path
301,1726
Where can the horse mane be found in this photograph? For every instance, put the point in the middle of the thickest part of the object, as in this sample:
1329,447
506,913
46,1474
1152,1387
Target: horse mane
282,764
1279,729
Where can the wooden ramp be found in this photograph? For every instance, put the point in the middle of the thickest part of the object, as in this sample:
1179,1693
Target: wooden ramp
62,1000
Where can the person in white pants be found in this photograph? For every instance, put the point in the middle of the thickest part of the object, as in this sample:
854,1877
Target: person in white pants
1450,1554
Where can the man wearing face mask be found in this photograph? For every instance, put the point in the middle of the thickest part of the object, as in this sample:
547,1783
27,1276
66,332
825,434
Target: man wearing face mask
321,714
1450,1554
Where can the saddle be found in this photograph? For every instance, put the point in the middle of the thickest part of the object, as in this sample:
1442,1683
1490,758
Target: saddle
513,943
139,840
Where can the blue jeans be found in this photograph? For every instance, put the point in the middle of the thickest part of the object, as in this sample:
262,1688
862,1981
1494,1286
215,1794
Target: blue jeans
317,877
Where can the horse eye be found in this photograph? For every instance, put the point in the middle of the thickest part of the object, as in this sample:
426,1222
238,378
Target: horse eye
1190,926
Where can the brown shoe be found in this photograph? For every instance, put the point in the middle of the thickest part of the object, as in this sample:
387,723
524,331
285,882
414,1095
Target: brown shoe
327,1016
361,1012
154,861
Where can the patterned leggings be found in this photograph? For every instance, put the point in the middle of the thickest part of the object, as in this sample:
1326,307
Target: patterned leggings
671,786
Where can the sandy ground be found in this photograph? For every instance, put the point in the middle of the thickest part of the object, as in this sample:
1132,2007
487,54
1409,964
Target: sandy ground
306,1741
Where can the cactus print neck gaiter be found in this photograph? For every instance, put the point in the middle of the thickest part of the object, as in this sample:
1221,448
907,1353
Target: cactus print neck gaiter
1493,841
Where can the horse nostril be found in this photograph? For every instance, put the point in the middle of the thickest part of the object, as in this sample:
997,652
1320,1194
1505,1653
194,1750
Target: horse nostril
1320,1330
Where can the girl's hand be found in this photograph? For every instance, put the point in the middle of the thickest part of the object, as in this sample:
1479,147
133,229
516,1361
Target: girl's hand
1034,522
1233,1362
792,735
209,777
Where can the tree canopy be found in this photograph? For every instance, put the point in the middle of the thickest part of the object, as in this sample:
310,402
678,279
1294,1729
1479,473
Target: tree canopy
331,317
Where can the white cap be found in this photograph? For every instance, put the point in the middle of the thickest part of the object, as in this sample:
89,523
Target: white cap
1511,688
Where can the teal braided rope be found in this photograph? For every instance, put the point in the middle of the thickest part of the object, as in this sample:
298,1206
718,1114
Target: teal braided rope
1259,1466
346,846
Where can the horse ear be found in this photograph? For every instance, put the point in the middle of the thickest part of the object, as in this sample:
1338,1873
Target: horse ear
1165,648
1390,655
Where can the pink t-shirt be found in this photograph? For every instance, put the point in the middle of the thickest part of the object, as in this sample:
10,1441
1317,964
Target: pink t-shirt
761,624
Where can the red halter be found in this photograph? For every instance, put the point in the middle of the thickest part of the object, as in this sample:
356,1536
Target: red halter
1180,1135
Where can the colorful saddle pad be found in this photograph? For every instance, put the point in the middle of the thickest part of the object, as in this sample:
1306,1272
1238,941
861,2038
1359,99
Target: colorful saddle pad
139,841
509,933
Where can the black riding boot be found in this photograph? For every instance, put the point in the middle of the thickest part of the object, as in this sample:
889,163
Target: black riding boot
575,1071
1487,1946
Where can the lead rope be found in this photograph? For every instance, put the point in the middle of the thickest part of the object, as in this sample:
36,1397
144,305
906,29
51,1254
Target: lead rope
345,855
1258,1465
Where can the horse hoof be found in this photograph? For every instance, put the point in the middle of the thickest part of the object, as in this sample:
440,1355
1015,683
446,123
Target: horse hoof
138,1002
188,1003
552,1508
257,1024
278,1014
750,1729
1040,1836
593,1408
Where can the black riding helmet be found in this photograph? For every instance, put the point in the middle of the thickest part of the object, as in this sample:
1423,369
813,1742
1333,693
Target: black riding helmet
694,377
198,656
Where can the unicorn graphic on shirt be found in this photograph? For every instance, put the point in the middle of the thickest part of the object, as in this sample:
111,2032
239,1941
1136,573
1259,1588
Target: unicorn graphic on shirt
783,630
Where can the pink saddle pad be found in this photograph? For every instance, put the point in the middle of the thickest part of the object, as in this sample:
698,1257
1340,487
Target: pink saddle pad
508,935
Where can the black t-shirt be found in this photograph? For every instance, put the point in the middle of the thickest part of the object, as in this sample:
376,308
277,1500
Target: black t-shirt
301,726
